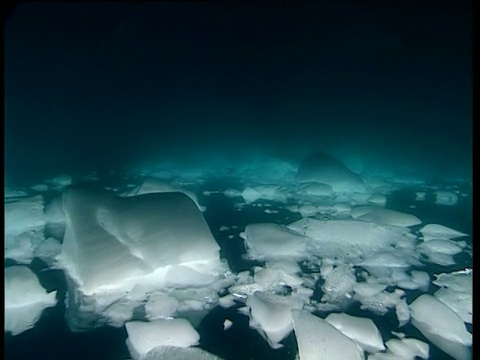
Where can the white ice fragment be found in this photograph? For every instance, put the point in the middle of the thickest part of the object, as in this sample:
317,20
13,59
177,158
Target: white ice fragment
338,286
272,241
420,196
442,246
154,185
439,324
436,231
456,292
160,306
367,289
457,280
377,199
231,193
408,348
40,187
380,303
316,189
342,209
445,198
25,299
55,218
402,311
307,210
317,339
382,263
390,217
223,228
459,302
349,239
48,250
361,330
145,336
227,324
358,211
178,353
438,258
61,181
250,195
24,227
227,301
270,316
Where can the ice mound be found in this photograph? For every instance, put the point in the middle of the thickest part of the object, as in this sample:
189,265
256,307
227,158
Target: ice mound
272,241
436,231
322,168
24,226
270,316
152,241
317,339
145,336
25,299
178,353
361,330
439,324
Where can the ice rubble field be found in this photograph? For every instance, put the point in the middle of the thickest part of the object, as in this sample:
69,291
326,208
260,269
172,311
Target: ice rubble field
140,254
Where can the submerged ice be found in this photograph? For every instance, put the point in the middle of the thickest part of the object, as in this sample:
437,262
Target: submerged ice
143,256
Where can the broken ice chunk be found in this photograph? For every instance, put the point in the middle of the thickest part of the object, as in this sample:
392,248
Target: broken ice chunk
361,330
145,336
445,198
317,339
272,241
436,231
390,217
25,299
439,324
270,316
408,348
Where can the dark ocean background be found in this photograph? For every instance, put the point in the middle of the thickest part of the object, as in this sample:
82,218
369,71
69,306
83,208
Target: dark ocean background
101,86
385,85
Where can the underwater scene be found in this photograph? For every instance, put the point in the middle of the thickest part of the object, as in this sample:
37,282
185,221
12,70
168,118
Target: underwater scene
238,180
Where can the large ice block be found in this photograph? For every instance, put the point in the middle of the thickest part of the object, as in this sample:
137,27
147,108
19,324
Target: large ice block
153,241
